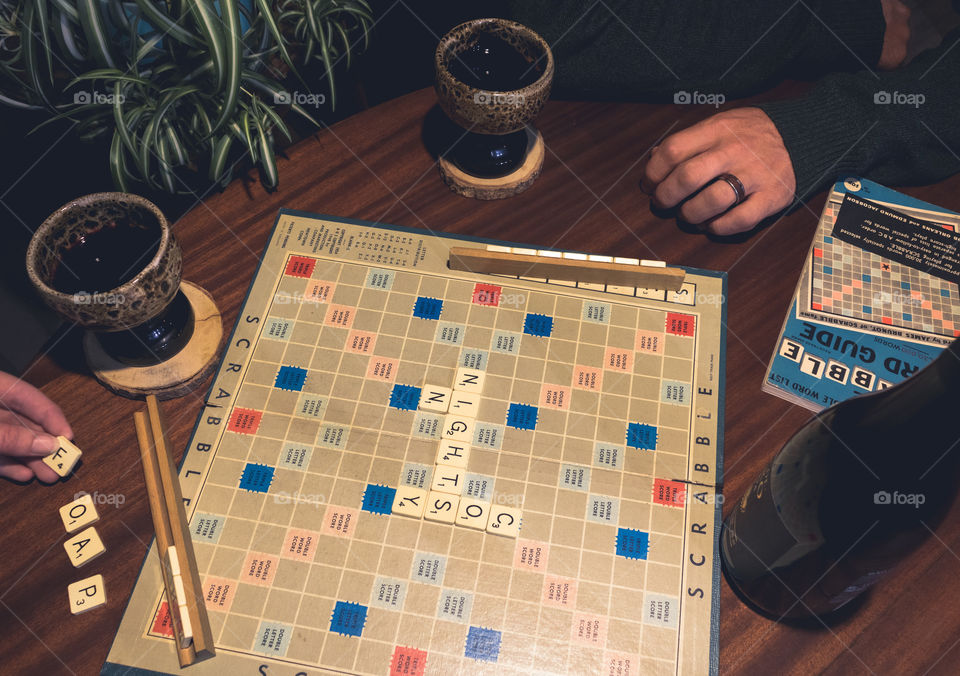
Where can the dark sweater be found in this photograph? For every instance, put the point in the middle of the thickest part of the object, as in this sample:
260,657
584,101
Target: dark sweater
843,127
650,49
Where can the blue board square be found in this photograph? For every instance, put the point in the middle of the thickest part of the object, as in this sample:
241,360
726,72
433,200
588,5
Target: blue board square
828,240
907,317
522,416
945,293
427,308
827,270
866,278
378,499
867,309
405,397
632,544
538,325
290,378
256,477
348,618
642,436
483,644
904,285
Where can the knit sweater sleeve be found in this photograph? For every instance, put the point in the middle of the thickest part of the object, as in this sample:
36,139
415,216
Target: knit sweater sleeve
897,127
651,49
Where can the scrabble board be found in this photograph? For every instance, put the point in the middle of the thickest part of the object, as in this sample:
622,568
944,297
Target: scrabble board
402,469
846,283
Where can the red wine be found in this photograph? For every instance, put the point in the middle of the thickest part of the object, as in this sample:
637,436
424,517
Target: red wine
851,494
109,255
492,63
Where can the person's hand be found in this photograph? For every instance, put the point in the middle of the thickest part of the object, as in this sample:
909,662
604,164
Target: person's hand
743,142
29,426
896,35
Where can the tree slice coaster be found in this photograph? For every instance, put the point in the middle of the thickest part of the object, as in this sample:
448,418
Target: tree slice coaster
174,377
512,184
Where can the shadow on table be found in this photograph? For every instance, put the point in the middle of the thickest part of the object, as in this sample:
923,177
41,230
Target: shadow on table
825,623
438,132
694,229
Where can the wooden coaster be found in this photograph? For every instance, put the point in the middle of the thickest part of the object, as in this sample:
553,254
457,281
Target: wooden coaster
512,184
174,377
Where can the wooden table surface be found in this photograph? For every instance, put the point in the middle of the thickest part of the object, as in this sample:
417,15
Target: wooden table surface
376,166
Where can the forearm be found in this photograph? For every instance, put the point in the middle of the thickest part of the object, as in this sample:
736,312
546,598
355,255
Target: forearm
653,48
845,127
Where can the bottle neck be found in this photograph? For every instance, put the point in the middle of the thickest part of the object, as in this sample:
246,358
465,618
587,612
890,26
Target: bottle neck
924,407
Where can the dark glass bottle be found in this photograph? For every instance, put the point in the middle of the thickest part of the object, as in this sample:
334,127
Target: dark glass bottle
852,493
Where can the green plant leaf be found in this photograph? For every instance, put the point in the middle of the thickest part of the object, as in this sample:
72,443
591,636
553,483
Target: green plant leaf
219,157
43,28
63,31
234,53
96,32
210,25
266,13
163,165
177,149
166,25
69,10
272,88
276,121
118,164
29,40
268,163
109,74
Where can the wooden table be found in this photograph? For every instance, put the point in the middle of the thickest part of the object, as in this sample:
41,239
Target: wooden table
375,166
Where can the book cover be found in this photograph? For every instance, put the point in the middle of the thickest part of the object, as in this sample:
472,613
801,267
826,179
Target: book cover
876,301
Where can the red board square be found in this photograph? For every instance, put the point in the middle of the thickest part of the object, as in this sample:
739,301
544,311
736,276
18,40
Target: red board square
669,493
300,266
408,662
816,306
680,324
486,294
244,421
818,252
162,624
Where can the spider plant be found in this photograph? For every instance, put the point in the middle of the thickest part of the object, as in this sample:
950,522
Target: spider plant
178,87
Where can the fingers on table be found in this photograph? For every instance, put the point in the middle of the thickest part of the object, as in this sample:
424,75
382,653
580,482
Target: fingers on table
743,217
676,149
711,201
22,397
689,177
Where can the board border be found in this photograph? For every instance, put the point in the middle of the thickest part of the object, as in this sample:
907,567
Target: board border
114,669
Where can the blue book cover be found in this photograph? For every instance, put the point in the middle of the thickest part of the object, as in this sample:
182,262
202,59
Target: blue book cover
867,311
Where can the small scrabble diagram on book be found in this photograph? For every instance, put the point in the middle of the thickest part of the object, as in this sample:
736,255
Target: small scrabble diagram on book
403,468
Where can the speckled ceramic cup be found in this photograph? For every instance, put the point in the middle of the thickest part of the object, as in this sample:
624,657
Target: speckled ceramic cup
153,281
140,317
485,111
